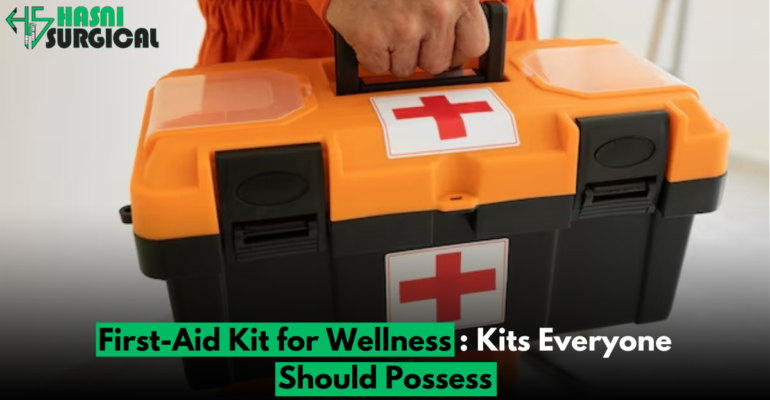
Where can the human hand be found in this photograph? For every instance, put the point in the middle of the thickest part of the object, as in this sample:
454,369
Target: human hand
401,35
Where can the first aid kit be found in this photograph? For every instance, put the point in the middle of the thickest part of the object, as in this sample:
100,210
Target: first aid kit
551,184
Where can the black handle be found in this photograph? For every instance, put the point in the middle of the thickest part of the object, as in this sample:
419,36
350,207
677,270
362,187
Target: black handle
491,64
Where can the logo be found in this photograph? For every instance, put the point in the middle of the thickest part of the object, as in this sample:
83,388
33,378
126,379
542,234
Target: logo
81,27
31,36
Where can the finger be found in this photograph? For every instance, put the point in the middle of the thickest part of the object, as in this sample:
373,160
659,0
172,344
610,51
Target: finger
403,59
436,51
374,60
472,36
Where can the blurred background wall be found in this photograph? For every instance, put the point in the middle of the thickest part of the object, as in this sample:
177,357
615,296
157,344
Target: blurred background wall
723,51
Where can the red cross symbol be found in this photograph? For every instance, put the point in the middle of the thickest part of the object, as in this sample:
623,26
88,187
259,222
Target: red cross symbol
448,116
447,286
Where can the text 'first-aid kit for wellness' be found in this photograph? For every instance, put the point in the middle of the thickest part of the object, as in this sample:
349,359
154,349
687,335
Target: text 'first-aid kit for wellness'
551,184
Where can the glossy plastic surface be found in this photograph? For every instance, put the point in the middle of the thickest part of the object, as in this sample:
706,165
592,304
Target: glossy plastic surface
223,99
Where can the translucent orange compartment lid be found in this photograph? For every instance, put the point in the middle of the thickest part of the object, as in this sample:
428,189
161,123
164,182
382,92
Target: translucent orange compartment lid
223,98
595,69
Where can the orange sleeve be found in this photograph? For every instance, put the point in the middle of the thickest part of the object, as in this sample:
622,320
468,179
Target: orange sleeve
320,6
522,20
245,30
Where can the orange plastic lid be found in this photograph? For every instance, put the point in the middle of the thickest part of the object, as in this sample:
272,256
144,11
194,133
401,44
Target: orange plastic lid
530,150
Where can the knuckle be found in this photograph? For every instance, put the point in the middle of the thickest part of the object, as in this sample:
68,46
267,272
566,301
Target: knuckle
441,12
406,31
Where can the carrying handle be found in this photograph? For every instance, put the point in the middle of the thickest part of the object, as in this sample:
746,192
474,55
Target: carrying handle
491,65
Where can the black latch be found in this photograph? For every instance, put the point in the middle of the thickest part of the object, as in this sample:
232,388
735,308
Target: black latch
635,197
622,165
272,203
271,238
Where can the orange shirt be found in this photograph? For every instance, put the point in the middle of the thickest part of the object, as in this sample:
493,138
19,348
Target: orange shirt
244,30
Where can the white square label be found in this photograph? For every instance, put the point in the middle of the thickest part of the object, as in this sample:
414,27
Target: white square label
430,123
464,284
